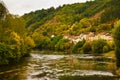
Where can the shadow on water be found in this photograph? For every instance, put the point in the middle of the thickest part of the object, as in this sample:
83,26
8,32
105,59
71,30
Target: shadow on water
14,71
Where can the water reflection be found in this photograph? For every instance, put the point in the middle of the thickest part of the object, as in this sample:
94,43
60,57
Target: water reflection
59,67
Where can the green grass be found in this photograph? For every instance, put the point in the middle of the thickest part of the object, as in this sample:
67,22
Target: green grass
110,54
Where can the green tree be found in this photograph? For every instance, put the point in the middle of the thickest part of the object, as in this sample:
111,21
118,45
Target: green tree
116,36
106,49
5,53
55,40
87,47
98,45
14,43
78,46
63,45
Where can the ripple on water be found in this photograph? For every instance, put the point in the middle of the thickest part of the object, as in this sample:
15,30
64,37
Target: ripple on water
51,67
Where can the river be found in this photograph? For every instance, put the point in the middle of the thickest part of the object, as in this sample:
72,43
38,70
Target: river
44,65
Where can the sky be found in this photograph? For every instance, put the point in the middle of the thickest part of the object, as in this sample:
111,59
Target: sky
19,7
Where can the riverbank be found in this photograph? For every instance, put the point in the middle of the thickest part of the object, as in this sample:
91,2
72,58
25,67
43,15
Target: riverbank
110,54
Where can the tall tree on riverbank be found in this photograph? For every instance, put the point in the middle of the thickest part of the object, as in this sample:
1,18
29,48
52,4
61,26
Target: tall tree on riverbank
14,42
116,36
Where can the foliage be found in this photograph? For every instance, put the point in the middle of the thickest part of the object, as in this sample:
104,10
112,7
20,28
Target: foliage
63,45
43,42
81,27
104,27
29,43
98,45
46,44
110,54
87,47
69,19
37,18
111,45
112,12
106,49
78,46
116,34
14,43
5,53
55,40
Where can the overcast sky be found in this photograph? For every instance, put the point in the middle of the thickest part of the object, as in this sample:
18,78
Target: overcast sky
24,6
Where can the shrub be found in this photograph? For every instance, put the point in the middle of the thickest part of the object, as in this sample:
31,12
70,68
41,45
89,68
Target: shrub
116,36
63,44
105,27
55,40
111,45
78,46
87,47
14,48
106,49
5,53
98,45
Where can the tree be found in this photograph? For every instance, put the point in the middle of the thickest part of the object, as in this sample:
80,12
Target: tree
85,22
87,47
116,36
78,46
28,43
106,49
14,43
98,45
63,44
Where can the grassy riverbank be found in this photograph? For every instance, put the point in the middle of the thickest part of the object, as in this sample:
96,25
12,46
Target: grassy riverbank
110,54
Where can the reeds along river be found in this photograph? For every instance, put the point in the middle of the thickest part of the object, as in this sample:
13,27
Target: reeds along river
44,66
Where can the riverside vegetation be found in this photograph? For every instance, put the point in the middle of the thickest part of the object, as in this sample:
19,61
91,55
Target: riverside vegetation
46,28
14,42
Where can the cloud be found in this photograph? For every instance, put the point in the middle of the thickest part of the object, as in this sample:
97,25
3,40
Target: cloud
24,6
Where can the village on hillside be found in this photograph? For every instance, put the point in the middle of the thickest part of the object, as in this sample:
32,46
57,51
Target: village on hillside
90,36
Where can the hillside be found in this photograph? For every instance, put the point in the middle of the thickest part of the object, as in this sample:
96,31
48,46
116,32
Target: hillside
96,16
68,17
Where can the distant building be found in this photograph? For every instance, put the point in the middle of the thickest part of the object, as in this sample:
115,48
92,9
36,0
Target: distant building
89,37
52,36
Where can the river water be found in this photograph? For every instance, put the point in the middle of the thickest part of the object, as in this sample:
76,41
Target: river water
44,66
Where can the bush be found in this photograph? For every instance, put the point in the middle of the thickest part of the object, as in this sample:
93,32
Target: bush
98,45
63,44
87,48
111,45
116,36
14,48
78,46
105,27
55,40
106,49
5,53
